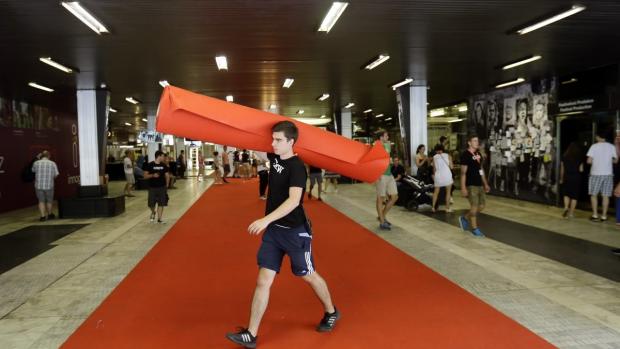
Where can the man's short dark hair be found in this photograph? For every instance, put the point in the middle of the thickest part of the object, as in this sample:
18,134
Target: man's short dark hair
216,153
440,147
288,128
380,134
159,153
602,133
442,139
471,136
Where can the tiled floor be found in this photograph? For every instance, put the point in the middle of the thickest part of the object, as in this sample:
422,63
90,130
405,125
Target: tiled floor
45,299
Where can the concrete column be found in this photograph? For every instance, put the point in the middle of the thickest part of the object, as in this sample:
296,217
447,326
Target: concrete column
92,109
418,127
346,127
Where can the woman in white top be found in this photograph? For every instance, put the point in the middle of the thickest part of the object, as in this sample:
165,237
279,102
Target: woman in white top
442,165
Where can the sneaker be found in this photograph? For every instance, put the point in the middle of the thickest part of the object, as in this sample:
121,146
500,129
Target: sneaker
243,338
477,232
51,216
42,219
385,226
594,219
152,217
464,223
387,222
328,321
603,219
159,221
565,214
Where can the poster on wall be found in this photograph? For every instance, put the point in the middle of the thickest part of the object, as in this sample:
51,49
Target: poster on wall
26,130
517,139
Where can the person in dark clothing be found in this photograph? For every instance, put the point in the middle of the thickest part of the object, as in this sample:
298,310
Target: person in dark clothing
398,170
571,168
159,178
316,177
287,231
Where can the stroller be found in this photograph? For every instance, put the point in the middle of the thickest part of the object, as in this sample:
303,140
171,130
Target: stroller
413,192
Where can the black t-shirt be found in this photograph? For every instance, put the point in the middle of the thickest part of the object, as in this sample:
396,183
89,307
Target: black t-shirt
313,169
160,168
398,170
283,175
245,157
473,163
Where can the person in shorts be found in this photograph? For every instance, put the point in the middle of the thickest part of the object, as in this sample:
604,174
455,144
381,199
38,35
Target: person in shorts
287,233
157,174
387,192
601,156
474,185
45,171
225,164
129,176
316,177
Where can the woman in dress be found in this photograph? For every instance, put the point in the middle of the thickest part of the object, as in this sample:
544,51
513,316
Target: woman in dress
442,164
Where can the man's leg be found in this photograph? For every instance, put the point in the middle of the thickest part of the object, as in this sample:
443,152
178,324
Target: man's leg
471,217
594,202
390,203
321,290
160,211
261,298
380,201
605,205
42,209
49,205
320,184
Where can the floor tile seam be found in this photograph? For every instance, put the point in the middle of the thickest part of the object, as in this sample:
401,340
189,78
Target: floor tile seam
485,264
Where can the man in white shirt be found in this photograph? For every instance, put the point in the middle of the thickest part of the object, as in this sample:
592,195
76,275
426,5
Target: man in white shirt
601,156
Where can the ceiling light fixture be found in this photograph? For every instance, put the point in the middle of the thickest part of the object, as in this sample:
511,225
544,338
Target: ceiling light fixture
164,83
437,112
388,119
112,110
323,116
504,84
376,62
300,111
40,87
572,80
456,120
314,121
49,61
86,17
323,97
288,82
378,115
575,9
272,106
229,98
463,108
145,120
348,106
367,111
132,100
222,62
332,16
521,62
128,124
402,83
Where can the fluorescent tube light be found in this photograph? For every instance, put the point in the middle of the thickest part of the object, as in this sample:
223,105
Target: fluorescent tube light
332,16
378,115
323,97
83,15
348,106
40,87
456,120
145,120
112,110
521,62
404,82
504,84
575,9
128,124
222,62
229,98
323,116
437,112
300,111
272,106
288,82
367,111
463,108
49,61
376,62
164,83
132,100
572,80
314,121
388,119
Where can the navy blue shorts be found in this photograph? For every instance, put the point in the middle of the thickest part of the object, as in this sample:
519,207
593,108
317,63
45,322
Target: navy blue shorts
295,242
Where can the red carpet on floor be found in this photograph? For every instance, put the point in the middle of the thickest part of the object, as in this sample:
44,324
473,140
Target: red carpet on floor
196,284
